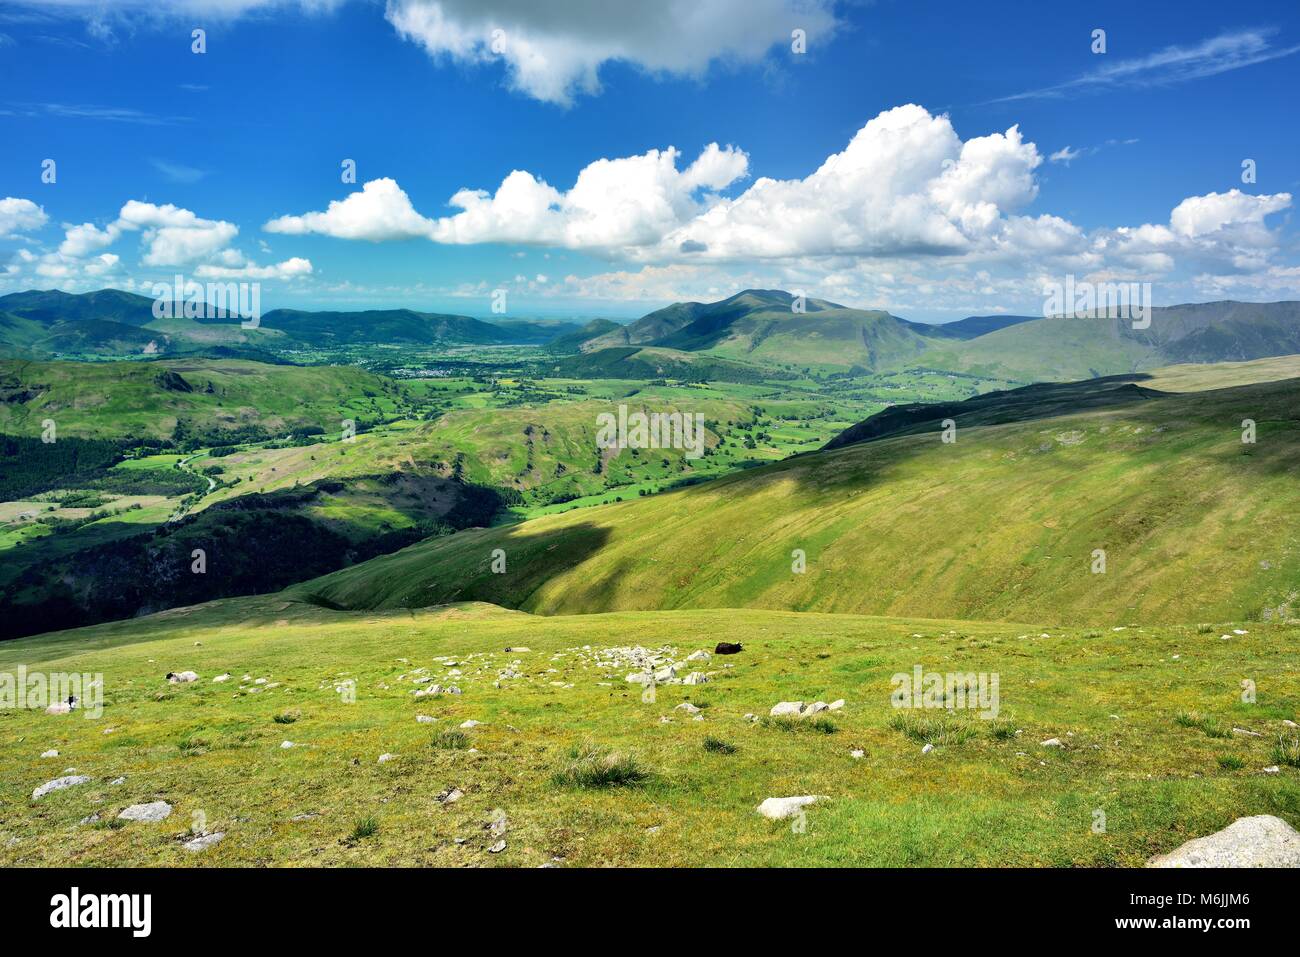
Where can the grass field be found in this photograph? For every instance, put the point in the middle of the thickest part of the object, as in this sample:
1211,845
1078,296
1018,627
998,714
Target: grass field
989,793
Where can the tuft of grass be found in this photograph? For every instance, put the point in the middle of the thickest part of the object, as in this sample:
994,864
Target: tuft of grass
193,744
1205,629
1001,730
786,722
363,828
718,746
452,739
1230,762
1287,750
593,767
938,731
1210,727
287,717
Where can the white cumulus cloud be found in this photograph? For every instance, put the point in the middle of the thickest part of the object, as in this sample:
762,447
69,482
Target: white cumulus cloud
553,51
19,216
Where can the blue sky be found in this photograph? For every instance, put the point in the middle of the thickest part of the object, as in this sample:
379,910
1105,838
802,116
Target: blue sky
992,151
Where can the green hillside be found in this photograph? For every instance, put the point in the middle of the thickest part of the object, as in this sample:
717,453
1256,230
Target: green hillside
1002,524
1143,714
1063,349
214,398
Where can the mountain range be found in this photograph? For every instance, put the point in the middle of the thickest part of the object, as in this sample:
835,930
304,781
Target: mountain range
764,328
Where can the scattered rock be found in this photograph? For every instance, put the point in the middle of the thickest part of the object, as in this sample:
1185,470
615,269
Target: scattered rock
471,723
1259,841
928,748
90,819
385,758
687,707
50,753
425,719
58,784
775,809
204,842
836,704
286,745
450,796
857,753
700,655
793,708
150,813
1249,734
497,848
695,678
220,678
121,780
1052,743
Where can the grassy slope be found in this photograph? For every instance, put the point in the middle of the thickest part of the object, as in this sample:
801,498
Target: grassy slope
111,400
214,749
1000,525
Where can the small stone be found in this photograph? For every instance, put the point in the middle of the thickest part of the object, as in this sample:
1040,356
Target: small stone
794,708
58,784
836,704
471,723
286,745
1052,743
150,813
50,753
425,719
856,753
385,758
450,796
687,707
203,842
775,809
928,748
220,678
90,819
695,678
497,848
